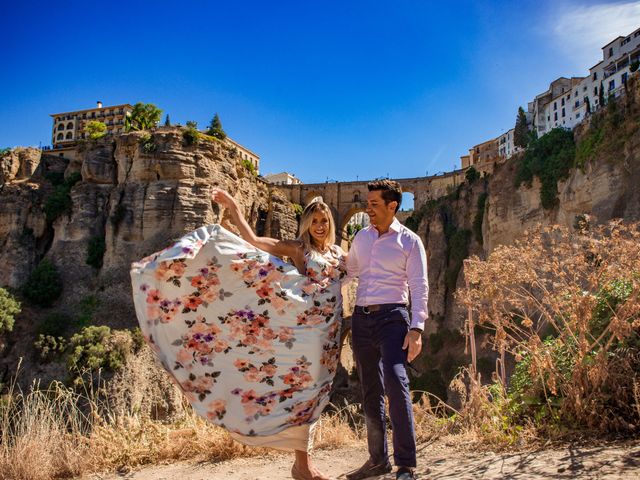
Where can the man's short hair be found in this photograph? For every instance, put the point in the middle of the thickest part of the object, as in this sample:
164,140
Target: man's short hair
391,190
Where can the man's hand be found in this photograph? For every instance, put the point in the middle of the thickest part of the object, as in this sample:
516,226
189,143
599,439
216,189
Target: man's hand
413,341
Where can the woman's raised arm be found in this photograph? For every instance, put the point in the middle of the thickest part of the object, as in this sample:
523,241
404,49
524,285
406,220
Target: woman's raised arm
287,248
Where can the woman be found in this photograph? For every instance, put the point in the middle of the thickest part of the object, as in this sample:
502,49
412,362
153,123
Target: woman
251,340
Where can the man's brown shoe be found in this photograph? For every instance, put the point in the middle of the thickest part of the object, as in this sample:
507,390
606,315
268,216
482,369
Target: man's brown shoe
369,469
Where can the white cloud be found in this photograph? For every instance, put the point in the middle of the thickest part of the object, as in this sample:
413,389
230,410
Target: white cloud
581,31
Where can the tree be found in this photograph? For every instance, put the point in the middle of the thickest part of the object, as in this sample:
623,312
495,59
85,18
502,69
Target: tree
215,128
472,175
167,122
192,124
143,117
9,308
601,95
44,285
521,131
95,130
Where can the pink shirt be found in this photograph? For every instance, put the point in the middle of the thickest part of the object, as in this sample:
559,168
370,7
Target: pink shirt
388,267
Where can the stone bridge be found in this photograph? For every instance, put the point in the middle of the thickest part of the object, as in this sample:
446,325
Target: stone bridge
349,198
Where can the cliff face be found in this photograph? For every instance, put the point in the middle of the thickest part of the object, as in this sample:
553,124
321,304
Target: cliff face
136,193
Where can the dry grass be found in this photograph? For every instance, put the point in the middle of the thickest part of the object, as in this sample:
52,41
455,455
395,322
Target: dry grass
566,306
136,418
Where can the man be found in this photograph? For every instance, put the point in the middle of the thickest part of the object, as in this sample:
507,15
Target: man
389,260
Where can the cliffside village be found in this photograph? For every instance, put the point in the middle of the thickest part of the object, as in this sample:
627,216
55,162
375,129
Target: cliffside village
565,104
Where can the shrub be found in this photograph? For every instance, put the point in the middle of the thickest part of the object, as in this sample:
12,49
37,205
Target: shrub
88,307
297,208
95,251
634,65
95,130
147,144
248,164
441,338
431,381
190,136
9,309
413,222
550,158
471,175
583,287
55,324
49,347
98,347
59,201
44,285
457,251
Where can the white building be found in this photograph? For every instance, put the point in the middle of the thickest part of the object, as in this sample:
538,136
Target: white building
283,178
568,100
506,147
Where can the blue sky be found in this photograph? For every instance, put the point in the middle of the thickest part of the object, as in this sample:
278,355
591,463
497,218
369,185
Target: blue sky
325,90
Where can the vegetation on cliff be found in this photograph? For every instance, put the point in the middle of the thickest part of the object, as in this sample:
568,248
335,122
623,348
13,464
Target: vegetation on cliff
566,305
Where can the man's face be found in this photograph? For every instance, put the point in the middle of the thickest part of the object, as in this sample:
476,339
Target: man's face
380,214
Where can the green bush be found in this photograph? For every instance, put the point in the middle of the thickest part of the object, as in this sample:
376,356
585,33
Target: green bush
413,222
55,324
190,136
472,175
298,209
147,144
44,285
607,300
9,308
88,307
95,251
550,158
248,164
59,201
634,66
5,151
430,381
457,251
443,337
98,347
50,347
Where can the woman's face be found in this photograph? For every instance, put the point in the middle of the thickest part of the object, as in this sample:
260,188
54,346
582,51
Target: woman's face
319,226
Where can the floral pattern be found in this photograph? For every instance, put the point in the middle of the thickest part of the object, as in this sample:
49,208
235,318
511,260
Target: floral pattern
252,343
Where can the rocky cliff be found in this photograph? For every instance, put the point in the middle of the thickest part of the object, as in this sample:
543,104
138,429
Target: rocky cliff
136,193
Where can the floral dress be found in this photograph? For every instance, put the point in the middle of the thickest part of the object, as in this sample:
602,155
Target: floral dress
251,342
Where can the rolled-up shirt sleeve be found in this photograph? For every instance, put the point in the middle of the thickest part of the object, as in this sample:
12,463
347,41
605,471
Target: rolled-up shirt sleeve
418,284
352,262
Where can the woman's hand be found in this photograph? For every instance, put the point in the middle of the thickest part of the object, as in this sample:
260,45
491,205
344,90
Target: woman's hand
223,198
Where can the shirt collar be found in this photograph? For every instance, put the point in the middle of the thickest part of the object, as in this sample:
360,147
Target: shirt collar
396,226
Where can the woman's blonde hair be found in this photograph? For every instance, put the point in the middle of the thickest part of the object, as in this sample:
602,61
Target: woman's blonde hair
305,224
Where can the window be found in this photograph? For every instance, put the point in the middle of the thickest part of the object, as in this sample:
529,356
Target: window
595,75
562,102
577,104
60,126
60,136
548,118
555,116
584,89
69,125
69,136
563,112
611,51
595,90
612,85
577,115
636,34
555,106
624,77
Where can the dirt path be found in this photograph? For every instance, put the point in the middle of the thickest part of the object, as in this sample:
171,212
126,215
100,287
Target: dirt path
436,461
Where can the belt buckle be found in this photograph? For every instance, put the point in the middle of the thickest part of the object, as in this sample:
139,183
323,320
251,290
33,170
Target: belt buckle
365,310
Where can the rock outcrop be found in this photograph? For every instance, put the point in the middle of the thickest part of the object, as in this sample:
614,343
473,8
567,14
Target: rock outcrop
138,192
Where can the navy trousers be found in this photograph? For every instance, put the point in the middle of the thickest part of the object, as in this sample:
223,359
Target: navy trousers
377,346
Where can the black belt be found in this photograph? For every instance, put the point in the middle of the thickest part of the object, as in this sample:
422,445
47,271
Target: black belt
383,307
